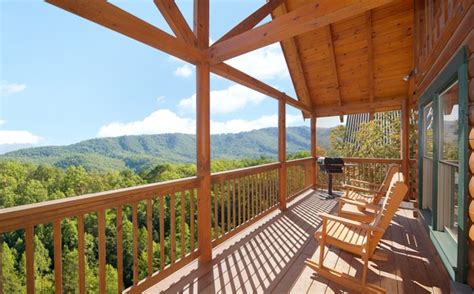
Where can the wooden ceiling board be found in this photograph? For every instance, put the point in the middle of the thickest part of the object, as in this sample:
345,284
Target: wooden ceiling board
389,31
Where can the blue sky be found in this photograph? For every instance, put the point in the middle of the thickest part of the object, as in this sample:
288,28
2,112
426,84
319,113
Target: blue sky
64,79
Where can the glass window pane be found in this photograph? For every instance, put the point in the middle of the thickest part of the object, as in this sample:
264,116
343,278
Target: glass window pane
428,130
449,128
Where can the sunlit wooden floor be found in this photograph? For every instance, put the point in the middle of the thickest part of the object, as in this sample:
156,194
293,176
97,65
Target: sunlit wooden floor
268,257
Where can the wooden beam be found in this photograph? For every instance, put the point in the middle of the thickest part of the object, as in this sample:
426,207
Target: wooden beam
332,55
252,20
203,132
360,107
370,55
282,153
233,74
176,21
293,61
304,19
116,19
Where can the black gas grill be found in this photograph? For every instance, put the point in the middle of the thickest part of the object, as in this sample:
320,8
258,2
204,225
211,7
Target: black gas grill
330,165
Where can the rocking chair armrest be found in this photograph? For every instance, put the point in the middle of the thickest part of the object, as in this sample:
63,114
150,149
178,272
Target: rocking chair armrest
358,189
349,222
358,203
365,183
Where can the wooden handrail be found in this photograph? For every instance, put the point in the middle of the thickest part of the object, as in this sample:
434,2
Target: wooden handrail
242,172
22,216
299,161
372,160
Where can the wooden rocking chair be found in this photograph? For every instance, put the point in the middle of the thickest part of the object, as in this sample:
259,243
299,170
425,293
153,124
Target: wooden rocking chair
360,203
357,238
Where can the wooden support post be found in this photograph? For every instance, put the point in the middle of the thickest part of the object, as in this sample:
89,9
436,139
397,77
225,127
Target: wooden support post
313,150
203,132
282,151
405,136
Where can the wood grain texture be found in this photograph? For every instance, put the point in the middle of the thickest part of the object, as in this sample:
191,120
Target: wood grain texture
116,19
304,19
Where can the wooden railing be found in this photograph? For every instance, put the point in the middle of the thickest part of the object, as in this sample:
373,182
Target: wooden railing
298,176
159,213
154,227
240,197
367,169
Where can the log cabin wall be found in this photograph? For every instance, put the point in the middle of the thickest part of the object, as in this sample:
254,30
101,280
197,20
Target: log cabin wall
470,204
441,28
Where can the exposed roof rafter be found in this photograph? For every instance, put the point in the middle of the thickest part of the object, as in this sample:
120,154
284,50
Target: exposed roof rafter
116,19
176,21
332,54
306,18
233,74
370,54
293,61
252,20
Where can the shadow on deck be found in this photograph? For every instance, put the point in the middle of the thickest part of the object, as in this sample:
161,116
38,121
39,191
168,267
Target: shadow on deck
269,257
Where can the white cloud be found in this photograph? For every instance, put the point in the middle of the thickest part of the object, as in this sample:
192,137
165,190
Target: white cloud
184,71
242,125
7,88
159,122
264,63
228,100
2,122
165,121
18,137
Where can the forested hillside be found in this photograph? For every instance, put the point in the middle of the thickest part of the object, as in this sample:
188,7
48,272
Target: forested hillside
22,183
140,152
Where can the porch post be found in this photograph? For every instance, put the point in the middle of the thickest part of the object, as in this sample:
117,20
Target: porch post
282,151
203,137
404,142
313,151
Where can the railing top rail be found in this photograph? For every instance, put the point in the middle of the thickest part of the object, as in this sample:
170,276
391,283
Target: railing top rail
19,217
242,172
299,161
372,160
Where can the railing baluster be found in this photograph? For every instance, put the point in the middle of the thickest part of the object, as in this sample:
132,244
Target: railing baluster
30,259
183,228
173,227
119,249
135,243
101,233
149,228
238,201
191,217
228,206
58,273
222,209
249,197
80,251
216,218
162,231
233,204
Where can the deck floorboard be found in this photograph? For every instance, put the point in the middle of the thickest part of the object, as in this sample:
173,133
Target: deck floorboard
268,257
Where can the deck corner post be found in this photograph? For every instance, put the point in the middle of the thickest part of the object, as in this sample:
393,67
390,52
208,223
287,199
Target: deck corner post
282,152
314,154
203,132
405,140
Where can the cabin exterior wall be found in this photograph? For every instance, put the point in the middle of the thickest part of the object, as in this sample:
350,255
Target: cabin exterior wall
443,32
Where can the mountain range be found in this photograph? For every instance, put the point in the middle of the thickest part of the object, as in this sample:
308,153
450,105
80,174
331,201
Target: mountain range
142,151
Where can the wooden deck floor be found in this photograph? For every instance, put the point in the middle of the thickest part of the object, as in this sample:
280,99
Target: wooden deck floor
268,257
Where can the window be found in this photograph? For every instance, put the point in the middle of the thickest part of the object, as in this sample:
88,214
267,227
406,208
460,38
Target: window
448,170
428,134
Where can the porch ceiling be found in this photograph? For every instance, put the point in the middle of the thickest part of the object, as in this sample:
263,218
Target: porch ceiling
354,65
